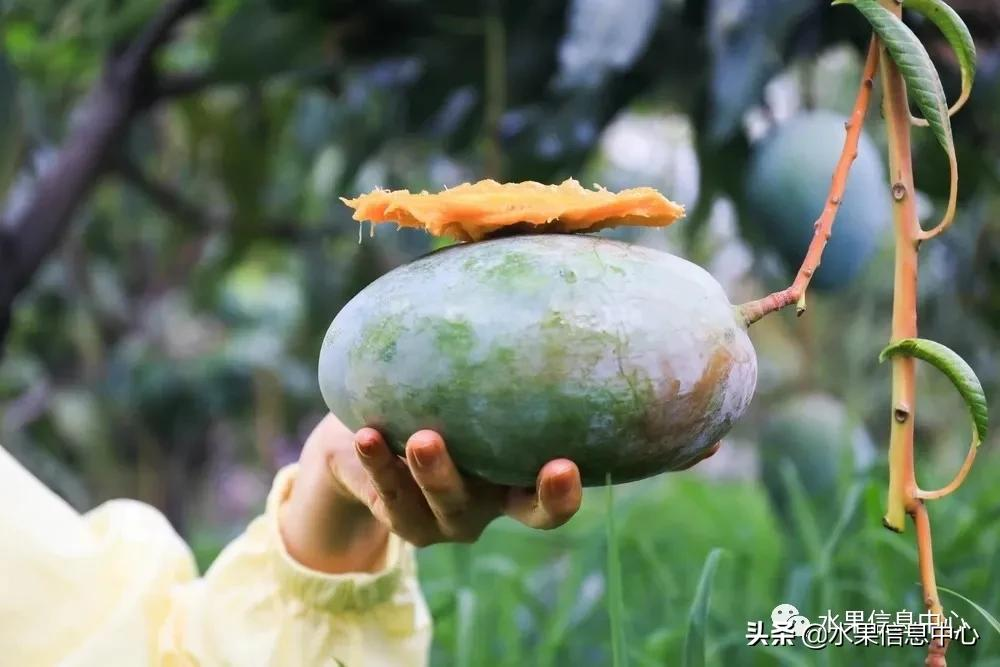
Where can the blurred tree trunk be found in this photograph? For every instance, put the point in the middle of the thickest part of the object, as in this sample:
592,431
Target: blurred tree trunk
126,86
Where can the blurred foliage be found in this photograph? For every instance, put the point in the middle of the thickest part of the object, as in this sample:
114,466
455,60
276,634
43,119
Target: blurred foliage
167,351
519,597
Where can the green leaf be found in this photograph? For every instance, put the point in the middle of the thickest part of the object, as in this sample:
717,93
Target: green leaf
985,614
922,80
955,369
694,645
957,33
923,85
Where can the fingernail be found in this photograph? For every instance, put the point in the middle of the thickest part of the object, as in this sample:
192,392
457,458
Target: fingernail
554,486
424,456
365,448
559,482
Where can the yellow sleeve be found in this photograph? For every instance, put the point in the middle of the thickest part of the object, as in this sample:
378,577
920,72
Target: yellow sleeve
117,586
258,606
82,590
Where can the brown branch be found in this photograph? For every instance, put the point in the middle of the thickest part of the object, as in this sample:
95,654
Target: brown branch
36,228
925,552
137,58
796,292
902,481
904,493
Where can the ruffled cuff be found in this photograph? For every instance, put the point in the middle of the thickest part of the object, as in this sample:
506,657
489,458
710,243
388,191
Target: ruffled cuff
334,593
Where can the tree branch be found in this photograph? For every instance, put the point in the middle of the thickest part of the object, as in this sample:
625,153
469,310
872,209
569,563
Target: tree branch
796,292
32,232
932,602
138,56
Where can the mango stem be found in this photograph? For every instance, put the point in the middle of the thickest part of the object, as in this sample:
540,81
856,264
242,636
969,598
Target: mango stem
795,293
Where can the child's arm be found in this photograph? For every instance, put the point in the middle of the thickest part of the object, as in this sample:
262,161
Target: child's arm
352,490
319,579
326,574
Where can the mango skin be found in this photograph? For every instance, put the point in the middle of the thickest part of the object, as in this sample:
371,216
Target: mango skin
626,360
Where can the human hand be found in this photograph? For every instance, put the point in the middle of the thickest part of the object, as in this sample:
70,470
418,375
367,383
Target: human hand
352,490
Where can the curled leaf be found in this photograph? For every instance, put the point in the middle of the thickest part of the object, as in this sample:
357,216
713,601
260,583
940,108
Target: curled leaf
923,85
955,369
957,33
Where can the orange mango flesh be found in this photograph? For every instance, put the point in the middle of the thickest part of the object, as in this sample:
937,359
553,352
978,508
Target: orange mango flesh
473,211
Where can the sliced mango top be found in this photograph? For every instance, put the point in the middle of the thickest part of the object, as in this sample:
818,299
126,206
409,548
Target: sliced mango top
472,211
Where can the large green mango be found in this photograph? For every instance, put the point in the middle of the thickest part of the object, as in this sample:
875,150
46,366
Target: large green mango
627,360
816,435
786,189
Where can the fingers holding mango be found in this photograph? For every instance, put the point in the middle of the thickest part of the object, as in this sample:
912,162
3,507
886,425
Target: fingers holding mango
554,500
425,499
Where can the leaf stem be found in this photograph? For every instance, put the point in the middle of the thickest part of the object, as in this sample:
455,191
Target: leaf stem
796,292
949,214
957,481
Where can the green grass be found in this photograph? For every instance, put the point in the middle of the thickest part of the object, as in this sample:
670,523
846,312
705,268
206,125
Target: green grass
545,598
616,603
695,642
